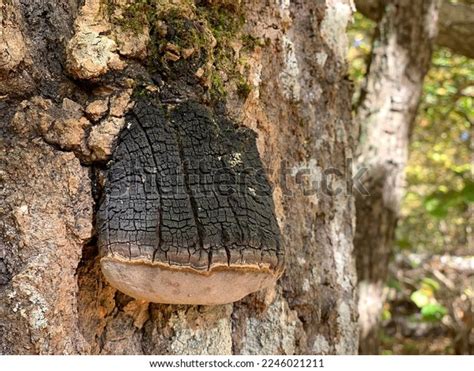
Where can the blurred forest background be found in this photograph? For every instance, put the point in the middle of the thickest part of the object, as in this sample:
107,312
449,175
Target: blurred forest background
428,296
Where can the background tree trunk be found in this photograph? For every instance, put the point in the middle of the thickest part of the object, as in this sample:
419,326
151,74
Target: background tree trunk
455,23
401,56
70,70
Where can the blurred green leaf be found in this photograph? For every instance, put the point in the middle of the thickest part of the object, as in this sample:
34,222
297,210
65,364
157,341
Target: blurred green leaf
433,312
439,202
433,284
386,314
420,298
435,206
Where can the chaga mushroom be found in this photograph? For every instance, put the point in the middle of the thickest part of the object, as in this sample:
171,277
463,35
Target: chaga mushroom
187,215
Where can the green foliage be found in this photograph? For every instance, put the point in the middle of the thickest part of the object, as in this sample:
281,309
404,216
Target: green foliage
360,36
420,298
430,283
435,212
386,314
433,312
424,298
439,203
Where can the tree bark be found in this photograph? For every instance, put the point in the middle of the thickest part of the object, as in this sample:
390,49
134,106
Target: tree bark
70,72
455,23
401,56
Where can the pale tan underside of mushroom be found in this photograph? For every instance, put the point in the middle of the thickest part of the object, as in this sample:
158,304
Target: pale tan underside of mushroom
159,282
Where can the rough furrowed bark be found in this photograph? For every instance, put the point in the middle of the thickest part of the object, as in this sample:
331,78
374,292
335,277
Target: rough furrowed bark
278,79
400,59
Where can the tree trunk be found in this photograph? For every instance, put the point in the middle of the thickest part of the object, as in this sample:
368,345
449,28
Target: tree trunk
401,56
70,72
455,23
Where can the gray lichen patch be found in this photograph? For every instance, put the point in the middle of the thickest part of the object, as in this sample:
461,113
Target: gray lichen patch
176,200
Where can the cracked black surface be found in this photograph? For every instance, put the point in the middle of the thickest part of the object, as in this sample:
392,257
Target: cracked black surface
187,187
